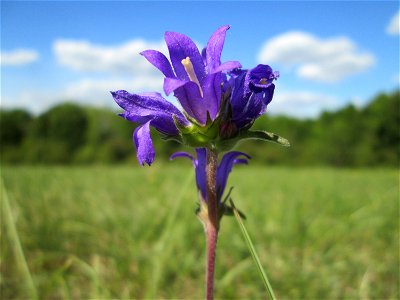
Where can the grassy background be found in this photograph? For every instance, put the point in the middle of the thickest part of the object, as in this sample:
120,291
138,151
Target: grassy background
128,232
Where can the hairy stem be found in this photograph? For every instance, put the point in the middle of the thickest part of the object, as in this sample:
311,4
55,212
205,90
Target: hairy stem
212,236
212,223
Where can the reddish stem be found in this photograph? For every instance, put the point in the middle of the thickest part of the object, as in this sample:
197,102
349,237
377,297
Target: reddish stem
212,236
212,224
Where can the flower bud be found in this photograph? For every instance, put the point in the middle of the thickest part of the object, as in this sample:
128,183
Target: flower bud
227,130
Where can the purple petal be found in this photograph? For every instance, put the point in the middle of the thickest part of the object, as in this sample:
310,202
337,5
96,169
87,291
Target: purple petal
260,77
237,72
247,103
188,94
201,171
183,154
180,46
171,84
212,93
241,161
212,87
238,97
255,106
225,167
214,48
153,102
268,94
204,55
159,60
150,106
144,144
200,168
163,123
227,66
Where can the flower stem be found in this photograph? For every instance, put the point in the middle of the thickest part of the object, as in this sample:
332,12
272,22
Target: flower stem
212,236
212,224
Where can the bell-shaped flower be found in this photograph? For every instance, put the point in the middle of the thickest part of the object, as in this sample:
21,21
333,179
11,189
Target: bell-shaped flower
251,92
223,169
220,101
194,78
195,81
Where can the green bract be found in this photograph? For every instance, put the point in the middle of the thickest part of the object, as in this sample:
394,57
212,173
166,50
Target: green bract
219,135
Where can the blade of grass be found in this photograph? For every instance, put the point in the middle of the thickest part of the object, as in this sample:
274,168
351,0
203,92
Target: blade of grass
253,251
163,247
233,272
16,243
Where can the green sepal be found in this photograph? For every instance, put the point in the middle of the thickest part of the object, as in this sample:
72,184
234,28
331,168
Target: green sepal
195,134
191,119
181,127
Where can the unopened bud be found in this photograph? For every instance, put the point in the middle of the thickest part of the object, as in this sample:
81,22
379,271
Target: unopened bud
227,130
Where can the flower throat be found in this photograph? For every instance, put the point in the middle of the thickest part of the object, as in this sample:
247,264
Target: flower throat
187,64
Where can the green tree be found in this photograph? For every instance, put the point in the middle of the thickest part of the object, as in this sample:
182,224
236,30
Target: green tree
68,133
57,134
383,116
14,126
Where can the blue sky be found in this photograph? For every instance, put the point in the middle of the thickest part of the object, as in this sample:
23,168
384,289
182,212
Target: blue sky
328,53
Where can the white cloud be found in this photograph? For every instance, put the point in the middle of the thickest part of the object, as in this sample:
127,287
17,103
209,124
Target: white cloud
396,79
302,104
97,92
328,60
84,56
123,67
393,27
88,91
18,57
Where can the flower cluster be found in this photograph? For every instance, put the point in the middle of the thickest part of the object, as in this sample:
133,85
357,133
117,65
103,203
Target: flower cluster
220,101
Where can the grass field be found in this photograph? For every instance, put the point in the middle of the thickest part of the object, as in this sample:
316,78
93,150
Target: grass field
130,232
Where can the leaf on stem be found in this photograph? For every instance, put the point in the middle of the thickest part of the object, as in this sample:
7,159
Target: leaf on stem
265,136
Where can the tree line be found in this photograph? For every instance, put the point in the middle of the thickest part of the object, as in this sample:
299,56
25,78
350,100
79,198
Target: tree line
69,133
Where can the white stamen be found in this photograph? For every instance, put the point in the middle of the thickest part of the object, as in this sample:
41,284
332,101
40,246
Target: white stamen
187,64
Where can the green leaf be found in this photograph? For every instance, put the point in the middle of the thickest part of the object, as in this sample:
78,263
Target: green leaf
253,251
264,136
228,211
227,144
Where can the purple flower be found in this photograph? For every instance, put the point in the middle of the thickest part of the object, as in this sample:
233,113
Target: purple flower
251,92
148,109
220,101
223,169
195,78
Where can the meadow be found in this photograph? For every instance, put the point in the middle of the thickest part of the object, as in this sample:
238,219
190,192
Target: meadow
126,232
